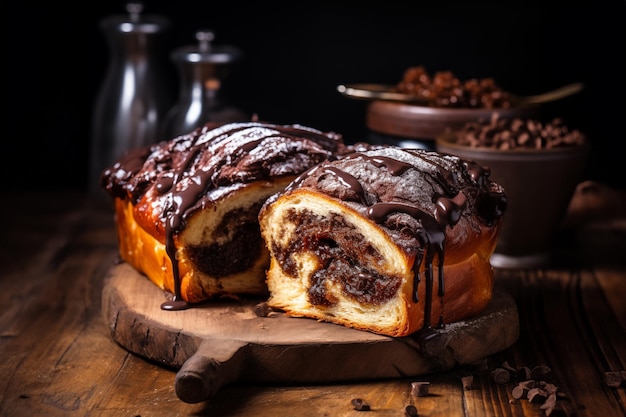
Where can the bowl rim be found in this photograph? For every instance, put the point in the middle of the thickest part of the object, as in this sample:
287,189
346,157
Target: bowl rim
383,106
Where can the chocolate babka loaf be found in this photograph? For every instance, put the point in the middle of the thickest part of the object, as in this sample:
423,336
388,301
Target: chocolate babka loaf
386,240
187,209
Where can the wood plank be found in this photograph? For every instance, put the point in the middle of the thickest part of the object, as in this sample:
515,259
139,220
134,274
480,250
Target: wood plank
613,284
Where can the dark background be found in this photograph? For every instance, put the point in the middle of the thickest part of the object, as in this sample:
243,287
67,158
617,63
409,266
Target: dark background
55,58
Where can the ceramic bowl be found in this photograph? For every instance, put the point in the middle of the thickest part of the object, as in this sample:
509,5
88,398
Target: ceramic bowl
539,184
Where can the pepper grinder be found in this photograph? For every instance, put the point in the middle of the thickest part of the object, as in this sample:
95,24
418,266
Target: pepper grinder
202,69
134,96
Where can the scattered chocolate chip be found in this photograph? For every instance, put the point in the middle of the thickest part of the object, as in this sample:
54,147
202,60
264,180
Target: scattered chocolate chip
528,384
360,405
519,392
537,395
500,376
549,388
522,388
523,373
505,365
410,411
615,379
549,404
468,382
541,373
420,389
262,309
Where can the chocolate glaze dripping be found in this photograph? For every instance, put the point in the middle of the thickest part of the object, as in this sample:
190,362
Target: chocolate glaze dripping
431,237
348,180
394,166
174,222
181,207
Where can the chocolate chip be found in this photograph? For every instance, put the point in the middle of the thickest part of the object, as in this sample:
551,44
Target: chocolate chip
360,405
523,373
468,382
420,389
518,392
549,404
615,379
537,395
541,372
522,388
549,388
262,309
508,367
500,376
410,411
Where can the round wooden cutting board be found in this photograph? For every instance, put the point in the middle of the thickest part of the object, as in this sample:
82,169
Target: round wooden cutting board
217,343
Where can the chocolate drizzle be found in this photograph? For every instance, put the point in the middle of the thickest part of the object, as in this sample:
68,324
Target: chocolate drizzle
394,166
431,237
348,180
450,182
185,172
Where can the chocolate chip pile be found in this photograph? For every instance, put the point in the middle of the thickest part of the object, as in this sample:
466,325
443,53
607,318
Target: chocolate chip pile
444,89
518,133
533,385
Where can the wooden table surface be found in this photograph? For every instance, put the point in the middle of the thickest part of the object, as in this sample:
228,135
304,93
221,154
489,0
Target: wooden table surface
58,359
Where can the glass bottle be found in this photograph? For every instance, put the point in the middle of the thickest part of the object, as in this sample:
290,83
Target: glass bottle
202,69
135,94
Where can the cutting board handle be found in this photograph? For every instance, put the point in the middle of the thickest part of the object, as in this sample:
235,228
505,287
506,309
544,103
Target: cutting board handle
215,364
